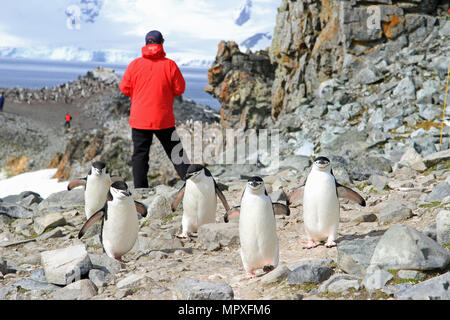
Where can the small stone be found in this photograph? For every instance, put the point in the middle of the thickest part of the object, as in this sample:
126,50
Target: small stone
79,290
276,275
412,274
30,284
132,281
192,289
310,274
376,280
224,234
324,287
443,227
439,192
98,277
394,212
354,255
159,207
50,220
343,285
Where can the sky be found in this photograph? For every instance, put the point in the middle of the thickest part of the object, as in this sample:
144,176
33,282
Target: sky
192,27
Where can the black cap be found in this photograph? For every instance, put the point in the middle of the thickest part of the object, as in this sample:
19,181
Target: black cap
154,36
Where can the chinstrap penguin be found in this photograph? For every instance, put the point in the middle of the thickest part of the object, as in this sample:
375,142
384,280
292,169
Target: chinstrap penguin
199,194
257,227
321,204
96,185
119,215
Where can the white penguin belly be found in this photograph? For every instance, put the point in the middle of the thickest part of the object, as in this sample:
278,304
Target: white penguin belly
320,206
257,232
120,229
95,195
199,204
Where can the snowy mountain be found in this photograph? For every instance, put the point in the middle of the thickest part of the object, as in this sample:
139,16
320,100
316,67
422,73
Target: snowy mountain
259,41
107,56
247,22
245,18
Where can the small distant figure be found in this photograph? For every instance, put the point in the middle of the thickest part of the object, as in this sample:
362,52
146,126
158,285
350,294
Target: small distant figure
2,101
68,119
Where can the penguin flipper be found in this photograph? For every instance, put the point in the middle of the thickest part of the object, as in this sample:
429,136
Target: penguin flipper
95,217
140,208
221,197
344,192
76,183
279,208
178,198
296,194
232,213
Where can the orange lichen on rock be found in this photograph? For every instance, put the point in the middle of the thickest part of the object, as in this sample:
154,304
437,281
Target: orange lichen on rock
389,26
53,164
329,33
17,165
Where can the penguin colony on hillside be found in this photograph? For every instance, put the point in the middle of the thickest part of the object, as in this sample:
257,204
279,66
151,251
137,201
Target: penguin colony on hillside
107,199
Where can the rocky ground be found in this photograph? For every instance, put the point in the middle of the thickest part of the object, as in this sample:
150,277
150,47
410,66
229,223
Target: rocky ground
370,99
394,248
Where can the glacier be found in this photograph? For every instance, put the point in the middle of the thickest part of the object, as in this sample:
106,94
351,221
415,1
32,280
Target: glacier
112,56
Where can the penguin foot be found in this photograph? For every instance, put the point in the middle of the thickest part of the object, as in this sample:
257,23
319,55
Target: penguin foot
183,235
268,268
250,275
330,244
310,244
120,259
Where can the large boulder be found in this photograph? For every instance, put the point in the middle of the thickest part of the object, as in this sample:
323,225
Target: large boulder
403,247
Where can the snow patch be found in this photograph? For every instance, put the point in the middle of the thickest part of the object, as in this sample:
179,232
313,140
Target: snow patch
40,182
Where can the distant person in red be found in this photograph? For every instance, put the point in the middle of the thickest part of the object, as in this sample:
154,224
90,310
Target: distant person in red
68,119
152,82
2,101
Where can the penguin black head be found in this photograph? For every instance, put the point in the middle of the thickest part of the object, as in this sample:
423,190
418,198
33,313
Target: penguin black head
119,189
255,183
194,170
322,163
98,167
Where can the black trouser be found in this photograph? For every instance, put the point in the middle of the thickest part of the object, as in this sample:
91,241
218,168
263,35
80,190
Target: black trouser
142,140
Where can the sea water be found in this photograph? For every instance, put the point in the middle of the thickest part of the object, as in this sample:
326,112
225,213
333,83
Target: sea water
37,74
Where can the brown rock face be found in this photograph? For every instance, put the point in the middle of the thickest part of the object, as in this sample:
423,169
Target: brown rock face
81,149
242,83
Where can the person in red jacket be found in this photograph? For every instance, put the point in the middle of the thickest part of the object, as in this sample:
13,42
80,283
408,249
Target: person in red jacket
68,119
152,82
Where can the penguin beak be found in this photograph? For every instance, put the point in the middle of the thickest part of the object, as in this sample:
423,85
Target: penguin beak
126,193
254,184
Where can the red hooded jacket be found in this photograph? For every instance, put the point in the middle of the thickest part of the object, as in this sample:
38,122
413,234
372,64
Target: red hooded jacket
152,82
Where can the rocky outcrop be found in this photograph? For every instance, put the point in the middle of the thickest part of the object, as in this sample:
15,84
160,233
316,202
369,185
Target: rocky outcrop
315,40
350,78
242,83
